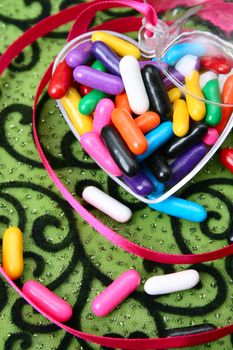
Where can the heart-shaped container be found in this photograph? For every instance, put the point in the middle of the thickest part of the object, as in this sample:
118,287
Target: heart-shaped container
177,35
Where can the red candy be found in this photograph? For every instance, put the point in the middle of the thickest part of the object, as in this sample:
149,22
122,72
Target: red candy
60,81
84,90
216,64
226,158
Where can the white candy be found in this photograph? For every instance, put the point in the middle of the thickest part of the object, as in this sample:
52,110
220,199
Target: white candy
106,204
186,64
206,77
172,282
134,85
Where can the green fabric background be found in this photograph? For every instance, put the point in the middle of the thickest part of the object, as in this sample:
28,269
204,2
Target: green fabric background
61,250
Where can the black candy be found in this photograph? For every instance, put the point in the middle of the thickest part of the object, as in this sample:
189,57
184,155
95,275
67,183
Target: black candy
156,91
159,166
178,145
119,151
176,332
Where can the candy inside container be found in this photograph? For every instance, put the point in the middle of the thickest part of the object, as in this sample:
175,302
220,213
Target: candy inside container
176,85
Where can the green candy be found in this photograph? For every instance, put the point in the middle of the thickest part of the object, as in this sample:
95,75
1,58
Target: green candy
88,103
98,66
212,93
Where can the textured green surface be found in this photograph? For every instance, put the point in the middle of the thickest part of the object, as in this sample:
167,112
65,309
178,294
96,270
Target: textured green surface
61,250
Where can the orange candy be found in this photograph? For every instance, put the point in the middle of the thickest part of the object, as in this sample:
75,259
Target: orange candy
227,97
147,121
122,102
130,132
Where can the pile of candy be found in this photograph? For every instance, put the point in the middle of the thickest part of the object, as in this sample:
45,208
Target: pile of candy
143,129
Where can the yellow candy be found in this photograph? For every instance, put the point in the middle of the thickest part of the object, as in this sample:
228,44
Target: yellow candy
121,47
12,252
174,94
196,108
180,118
82,123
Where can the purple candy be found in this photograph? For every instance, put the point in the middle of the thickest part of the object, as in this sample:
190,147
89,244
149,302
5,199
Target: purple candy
139,184
176,75
108,83
186,163
109,58
79,55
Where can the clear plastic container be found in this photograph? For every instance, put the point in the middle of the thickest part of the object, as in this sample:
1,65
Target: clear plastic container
166,36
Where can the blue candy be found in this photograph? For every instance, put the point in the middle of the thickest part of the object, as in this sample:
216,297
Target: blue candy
180,208
176,52
156,138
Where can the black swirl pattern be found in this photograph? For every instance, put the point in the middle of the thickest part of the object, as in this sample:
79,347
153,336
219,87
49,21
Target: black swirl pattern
61,250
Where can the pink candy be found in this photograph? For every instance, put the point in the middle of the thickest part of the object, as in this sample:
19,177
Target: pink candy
115,293
102,115
211,137
48,301
94,146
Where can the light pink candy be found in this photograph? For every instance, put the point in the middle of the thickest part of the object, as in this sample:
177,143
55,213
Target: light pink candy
94,146
47,301
115,293
102,114
211,137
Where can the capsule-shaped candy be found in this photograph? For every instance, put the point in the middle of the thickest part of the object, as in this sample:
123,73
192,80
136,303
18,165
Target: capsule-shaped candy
222,79
89,102
211,137
99,66
102,115
158,97
168,83
134,86
119,151
94,146
84,90
174,94
182,331
147,121
172,282
120,46
107,204
178,145
82,123
196,108
12,252
48,301
176,52
115,293
60,81
210,89
129,131
139,184
180,208
121,101
187,64
158,186
227,98
159,166
226,158
156,138
108,57
79,55
186,162
180,118
108,83
217,64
